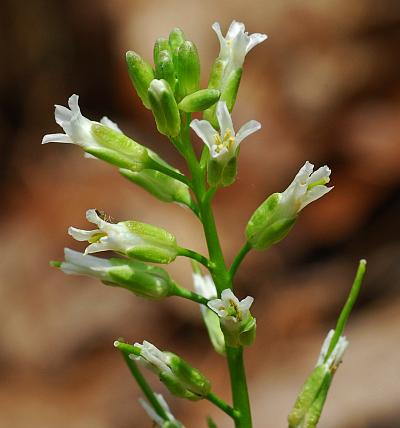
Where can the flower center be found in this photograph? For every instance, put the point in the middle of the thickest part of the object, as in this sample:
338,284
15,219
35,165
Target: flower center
227,141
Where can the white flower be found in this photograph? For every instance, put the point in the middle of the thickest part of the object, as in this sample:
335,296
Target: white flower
204,285
306,187
108,236
158,420
77,127
228,307
223,145
151,357
336,356
77,263
236,44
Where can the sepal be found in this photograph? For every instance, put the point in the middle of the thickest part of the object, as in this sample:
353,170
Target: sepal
187,69
199,100
141,74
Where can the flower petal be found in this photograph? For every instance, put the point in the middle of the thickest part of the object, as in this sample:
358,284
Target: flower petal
62,114
314,194
244,305
224,118
80,234
205,131
110,124
56,138
228,297
79,259
320,173
235,29
246,130
255,39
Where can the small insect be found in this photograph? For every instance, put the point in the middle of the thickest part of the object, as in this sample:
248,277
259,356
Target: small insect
104,216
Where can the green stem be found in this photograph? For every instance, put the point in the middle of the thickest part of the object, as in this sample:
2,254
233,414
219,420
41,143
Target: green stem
141,381
225,407
177,290
239,258
170,172
185,252
240,393
221,277
348,306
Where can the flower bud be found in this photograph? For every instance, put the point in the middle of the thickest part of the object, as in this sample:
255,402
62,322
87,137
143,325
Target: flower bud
164,108
171,422
176,38
134,239
141,74
274,218
146,281
165,68
187,69
237,324
199,100
160,185
160,45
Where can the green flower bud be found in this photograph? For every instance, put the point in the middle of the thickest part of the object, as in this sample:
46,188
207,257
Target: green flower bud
199,100
146,281
131,238
165,68
116,148
231,87
274,218
164,108
160,45
176,38
187,69
141,74
160,185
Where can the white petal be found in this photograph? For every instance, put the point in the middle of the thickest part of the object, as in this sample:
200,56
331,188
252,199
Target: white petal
224,118
204,286
245,304
151,413
93,217
56,138
228,297
62,114
73,102
235,29
223,46
320,173
101,245
255,39
218,153
110,124
246,130
205,131
83,260
325,347
218,306
82,235
314,194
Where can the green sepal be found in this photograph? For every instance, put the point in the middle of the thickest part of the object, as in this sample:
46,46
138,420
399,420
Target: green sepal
157,245
217,73
229,172
141,74
214,172
160,185
231,87
199,100
160,45
192,379
164,108
117,149
311,399
176,38
265,227
146,281
175,386
247,334
239,333
187,69
165,68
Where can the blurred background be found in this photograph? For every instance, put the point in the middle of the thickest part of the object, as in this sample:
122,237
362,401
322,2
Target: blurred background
326,87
